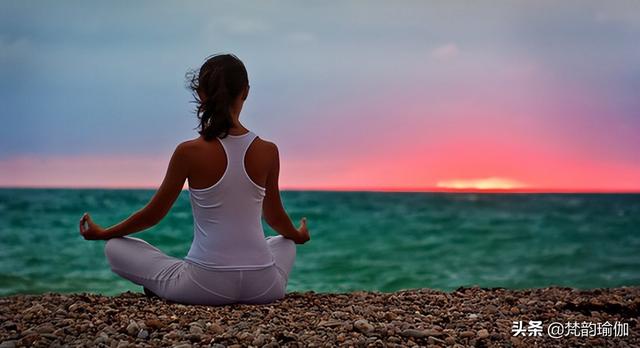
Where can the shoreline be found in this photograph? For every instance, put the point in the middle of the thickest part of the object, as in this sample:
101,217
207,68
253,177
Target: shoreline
467,316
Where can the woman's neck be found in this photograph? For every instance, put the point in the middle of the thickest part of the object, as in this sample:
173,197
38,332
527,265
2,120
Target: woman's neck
237,128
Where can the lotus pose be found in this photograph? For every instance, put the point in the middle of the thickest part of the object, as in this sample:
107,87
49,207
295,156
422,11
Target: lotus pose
233,182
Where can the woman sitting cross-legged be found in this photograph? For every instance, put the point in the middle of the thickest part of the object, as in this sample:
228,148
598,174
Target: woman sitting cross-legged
233,182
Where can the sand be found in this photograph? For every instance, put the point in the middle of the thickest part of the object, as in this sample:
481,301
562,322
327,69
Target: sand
467,317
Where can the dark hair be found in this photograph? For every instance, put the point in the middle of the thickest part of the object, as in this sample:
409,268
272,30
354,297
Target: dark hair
220,80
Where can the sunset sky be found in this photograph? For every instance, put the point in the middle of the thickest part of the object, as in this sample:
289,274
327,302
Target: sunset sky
542,95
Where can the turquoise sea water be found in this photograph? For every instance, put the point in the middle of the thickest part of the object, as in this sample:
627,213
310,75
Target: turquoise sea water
360,240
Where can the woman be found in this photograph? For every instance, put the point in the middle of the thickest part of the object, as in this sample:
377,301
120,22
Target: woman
233,179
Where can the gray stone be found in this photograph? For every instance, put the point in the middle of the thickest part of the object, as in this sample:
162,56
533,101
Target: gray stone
133,328
143,334
363,325
196,329
413,333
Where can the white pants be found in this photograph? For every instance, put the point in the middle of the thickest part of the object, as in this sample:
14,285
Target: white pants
182,281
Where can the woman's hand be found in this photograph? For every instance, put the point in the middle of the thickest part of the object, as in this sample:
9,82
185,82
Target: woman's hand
89,229
303,232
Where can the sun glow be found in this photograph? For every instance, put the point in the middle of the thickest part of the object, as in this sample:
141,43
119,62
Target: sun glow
491,183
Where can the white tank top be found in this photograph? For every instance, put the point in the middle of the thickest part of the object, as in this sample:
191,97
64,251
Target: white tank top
227,216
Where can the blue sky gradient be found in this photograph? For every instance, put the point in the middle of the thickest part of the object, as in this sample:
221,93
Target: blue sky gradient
329,81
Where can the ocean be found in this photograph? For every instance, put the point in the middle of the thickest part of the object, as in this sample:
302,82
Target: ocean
382,241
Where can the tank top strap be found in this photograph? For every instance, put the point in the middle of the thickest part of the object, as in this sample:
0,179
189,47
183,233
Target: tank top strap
236,146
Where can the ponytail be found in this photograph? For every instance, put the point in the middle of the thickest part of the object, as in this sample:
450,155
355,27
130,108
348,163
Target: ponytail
215,87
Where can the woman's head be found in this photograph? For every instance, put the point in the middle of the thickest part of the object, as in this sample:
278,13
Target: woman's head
218,86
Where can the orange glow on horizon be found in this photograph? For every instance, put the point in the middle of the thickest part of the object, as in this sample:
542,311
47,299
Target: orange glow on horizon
491,183
425,189
434,172
434,189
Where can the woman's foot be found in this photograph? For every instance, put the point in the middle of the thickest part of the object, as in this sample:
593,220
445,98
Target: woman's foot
149,293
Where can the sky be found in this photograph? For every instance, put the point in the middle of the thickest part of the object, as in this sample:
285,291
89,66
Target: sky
375,95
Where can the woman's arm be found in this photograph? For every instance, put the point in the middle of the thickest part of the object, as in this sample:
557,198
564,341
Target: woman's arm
154,211
272,209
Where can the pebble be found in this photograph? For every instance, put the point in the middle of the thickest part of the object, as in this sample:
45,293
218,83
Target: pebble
363,325
433,332
330,323
102,338
194,337
195,329
154,324
182,345
133,328
435,340
413,333
49,336
483,333
122,344
35,308
75,307
45,328
260,340
413,317
215,328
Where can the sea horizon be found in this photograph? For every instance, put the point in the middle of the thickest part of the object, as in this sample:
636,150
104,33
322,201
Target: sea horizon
361,189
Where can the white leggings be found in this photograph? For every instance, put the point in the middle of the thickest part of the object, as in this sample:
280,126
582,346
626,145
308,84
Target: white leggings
182,281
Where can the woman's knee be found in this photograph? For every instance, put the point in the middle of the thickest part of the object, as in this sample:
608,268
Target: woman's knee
290,246
112,248
109,245
283,244
284,251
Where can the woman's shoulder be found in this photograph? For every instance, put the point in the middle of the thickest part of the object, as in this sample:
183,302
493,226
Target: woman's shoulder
266,145
190,143
265,142
190,147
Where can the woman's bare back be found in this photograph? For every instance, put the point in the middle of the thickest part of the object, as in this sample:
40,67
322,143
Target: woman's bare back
207,161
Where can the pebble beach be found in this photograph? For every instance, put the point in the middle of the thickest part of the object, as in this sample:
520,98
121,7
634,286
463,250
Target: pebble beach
466,317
